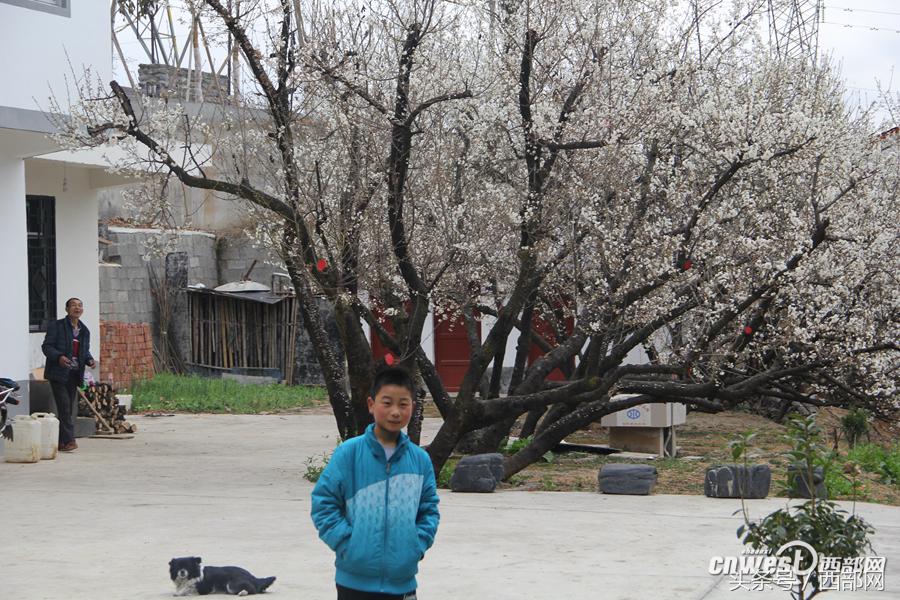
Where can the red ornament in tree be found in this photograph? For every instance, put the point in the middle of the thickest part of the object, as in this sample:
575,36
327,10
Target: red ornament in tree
389,359
687,264
747,330
321,265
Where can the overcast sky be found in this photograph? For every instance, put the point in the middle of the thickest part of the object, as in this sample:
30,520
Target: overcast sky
869,48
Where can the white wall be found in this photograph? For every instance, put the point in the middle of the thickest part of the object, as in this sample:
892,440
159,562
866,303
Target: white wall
36,357
14,342
201,208
428,336
35,45
512,342
77,271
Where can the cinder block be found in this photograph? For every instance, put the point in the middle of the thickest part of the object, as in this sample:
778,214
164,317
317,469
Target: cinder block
85,426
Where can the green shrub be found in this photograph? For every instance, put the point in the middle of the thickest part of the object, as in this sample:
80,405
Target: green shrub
855,425
879,460
511,447
830,530
869,456
443,480
315,465
839,485
891,469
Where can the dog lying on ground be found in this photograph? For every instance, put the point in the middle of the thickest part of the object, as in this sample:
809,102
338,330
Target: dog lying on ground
190,579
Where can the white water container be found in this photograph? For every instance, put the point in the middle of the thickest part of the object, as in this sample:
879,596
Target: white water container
49,434
124,400
26,444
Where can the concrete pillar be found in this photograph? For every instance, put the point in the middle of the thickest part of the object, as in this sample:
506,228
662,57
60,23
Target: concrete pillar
15,349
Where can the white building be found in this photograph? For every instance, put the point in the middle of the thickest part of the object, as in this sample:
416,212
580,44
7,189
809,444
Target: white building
48,198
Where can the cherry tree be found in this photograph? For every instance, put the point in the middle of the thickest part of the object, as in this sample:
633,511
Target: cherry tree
625,176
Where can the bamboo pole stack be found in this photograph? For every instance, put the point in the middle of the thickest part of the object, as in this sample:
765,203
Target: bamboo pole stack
228,333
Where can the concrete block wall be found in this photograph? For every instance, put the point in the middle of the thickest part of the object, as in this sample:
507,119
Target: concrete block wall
236,254
127,305
125,292
126,352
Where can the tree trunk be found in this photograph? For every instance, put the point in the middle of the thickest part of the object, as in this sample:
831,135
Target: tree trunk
531,422
547,439
360,366
486,439
336,382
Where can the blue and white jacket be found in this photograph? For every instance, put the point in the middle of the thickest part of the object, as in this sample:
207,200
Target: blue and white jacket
378,516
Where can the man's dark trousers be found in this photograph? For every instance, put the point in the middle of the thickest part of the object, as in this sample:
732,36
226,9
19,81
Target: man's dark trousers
64,394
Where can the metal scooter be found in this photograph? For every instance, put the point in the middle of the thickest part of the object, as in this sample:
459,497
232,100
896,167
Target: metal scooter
8,387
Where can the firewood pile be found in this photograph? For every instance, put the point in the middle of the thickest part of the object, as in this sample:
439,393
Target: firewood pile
99,401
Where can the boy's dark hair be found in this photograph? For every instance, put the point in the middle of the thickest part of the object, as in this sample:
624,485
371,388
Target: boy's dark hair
393,376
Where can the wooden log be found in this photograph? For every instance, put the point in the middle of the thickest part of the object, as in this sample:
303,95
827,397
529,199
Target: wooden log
94,410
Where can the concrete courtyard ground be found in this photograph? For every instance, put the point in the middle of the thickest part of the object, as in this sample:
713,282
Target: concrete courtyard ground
103,522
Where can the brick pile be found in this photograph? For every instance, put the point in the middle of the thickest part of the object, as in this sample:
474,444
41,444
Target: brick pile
126,352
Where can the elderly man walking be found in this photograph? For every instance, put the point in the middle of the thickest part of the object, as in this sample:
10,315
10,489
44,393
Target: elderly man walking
67,347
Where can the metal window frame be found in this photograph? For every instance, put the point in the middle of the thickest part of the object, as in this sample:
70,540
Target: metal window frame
63,8
48,242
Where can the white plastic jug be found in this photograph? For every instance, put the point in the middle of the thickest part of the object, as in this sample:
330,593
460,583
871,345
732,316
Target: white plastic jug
49,434
26,444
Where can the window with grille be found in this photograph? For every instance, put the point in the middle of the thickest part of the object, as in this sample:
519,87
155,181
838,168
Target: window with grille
41,217
56,7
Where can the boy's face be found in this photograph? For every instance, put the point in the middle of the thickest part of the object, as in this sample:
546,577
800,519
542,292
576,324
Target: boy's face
392,408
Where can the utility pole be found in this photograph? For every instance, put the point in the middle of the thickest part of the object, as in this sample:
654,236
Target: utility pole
166,41
794,28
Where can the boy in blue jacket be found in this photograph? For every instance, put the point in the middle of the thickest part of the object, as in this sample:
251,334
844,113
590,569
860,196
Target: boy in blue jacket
376,503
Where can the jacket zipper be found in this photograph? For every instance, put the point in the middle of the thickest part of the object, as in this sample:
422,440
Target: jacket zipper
387,486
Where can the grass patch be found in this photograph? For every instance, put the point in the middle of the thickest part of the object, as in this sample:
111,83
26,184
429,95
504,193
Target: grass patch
190,393
509,448
841,486
884,462
443,479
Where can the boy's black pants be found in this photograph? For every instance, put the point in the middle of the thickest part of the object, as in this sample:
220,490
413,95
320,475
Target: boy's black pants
348,594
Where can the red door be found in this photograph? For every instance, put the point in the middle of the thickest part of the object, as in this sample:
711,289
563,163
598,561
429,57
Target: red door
451,351
379,350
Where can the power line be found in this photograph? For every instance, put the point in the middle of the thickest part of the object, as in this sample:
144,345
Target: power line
868,27
864,89
865,10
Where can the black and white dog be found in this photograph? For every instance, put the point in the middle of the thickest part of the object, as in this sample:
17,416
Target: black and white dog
190,579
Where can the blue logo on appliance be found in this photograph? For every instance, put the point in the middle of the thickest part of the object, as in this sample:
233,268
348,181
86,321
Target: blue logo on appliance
633,413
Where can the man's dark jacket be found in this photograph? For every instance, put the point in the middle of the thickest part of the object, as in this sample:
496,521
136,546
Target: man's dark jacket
58,342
